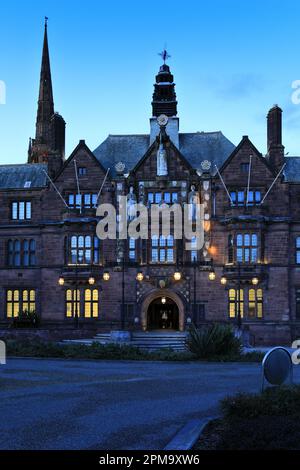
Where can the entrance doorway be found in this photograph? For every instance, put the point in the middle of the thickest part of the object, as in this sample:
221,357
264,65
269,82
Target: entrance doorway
163,316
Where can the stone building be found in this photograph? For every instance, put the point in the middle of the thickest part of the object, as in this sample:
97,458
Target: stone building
52,263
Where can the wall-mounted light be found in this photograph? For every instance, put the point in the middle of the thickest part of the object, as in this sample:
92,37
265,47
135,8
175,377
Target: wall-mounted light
106,276
140,276
223,280
91,281
163,300
255,281
177,275
211,275
61,281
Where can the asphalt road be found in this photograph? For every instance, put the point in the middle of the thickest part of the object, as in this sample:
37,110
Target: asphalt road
57,404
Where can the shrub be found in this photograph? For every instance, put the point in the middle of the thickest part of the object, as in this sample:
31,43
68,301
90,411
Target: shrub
213,341
38,348
273,401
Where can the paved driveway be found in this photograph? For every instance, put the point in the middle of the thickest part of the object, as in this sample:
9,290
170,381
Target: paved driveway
56,404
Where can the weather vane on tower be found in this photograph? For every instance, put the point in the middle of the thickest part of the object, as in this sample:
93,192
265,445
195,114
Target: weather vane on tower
164,55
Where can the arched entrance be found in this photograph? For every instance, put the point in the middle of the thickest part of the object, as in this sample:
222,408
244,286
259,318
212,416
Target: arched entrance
163,314
153,303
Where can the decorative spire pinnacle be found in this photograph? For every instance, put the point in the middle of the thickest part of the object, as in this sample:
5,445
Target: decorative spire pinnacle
49,143
164,55
45,103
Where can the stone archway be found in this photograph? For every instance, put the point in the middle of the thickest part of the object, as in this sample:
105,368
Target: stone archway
158,294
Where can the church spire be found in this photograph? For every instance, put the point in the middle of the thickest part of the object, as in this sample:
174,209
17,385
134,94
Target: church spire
164,96
45,102
49,143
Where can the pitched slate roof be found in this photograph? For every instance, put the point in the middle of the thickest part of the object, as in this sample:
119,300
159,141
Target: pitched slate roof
15,176
292,169
195,147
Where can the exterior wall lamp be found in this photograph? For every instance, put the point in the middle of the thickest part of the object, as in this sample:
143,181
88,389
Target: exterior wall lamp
106,276
140,276
177,275
212,275
61,281
255,281
163,300
223,280
91,281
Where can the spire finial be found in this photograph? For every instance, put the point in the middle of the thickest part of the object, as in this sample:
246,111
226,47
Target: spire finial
46,21
164,55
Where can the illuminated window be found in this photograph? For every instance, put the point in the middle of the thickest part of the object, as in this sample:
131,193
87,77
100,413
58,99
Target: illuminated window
91,298
246,248
236,302
255,305
20,300
89,305
72,303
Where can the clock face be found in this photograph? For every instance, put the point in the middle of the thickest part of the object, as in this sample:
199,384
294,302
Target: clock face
162,120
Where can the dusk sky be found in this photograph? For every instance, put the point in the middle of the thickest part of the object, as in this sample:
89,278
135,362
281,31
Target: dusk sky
231,62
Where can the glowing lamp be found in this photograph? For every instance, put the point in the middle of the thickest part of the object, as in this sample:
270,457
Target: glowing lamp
177,276
140,276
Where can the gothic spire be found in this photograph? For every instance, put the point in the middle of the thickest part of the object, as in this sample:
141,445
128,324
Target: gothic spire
45,102
49,143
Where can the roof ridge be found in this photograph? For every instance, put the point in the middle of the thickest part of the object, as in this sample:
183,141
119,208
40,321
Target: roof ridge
26,165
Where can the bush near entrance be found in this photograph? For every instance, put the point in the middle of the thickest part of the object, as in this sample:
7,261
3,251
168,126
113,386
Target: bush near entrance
270,420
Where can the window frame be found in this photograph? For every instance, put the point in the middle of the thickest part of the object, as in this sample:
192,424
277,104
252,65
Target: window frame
20,250
16,211
91,245
87,301
246,253
21,303
163,250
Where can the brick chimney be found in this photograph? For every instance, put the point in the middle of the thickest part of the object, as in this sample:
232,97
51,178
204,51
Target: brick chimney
274,131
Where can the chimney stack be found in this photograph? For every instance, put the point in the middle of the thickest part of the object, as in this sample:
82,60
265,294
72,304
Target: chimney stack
274,131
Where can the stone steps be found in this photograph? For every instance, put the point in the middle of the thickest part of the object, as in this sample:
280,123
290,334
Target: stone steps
149,341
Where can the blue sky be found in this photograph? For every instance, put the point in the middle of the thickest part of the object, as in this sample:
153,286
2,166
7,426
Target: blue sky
231,61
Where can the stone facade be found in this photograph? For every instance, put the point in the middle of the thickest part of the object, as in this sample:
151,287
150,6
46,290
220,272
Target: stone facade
266,268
